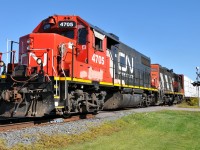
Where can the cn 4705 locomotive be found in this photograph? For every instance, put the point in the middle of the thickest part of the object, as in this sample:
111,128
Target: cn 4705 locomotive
67,65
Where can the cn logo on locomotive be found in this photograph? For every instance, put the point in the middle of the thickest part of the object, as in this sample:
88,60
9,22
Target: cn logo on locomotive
32,55
125,62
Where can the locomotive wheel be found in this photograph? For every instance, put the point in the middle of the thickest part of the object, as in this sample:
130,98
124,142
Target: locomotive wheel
171,101
147,102
140,105
95,112
65,116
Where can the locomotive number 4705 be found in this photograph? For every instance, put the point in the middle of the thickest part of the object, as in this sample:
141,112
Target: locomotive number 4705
67,24
98,59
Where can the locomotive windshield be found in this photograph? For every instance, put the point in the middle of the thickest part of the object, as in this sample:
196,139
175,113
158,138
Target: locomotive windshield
67,32
64,28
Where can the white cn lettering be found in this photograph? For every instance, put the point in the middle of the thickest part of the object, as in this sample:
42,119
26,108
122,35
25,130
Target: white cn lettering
127,63
130,64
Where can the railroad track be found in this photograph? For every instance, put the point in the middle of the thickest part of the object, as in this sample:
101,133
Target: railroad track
9,126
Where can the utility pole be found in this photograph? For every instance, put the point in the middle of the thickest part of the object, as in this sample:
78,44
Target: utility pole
197,81
197,84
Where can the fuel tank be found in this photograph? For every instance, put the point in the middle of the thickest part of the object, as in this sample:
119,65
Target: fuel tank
118,100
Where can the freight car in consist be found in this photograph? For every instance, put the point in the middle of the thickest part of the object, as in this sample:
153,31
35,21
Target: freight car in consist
190,91
67,65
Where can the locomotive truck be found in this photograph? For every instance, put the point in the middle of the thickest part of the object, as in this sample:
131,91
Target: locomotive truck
67,65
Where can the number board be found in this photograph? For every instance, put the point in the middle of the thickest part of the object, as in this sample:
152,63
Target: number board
67,24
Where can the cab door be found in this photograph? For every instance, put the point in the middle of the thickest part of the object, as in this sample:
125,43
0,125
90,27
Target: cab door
82,45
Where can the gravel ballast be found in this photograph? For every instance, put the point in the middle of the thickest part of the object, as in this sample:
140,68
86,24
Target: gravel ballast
32,134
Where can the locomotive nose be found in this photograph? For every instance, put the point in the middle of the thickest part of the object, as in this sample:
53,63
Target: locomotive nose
32,106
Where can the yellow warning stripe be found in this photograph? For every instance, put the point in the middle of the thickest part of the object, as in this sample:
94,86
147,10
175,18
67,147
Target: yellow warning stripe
55,96
82,80
74,79
3,76
102,83
178,93
59,107
56,78
129,86
106,83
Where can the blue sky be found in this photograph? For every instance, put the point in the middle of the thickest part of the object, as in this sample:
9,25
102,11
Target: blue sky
167,31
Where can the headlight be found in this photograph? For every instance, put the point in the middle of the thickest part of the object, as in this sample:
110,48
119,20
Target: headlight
39,61
1,63
28,41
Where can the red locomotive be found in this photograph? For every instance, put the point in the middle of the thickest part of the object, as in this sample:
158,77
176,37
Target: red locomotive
169,85
67,65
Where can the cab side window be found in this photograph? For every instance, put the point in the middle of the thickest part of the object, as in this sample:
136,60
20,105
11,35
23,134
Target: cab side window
98,40
98,44
82,36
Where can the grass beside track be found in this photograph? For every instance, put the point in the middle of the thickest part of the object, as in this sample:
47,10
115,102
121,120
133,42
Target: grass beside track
189,103
164,130
185,104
